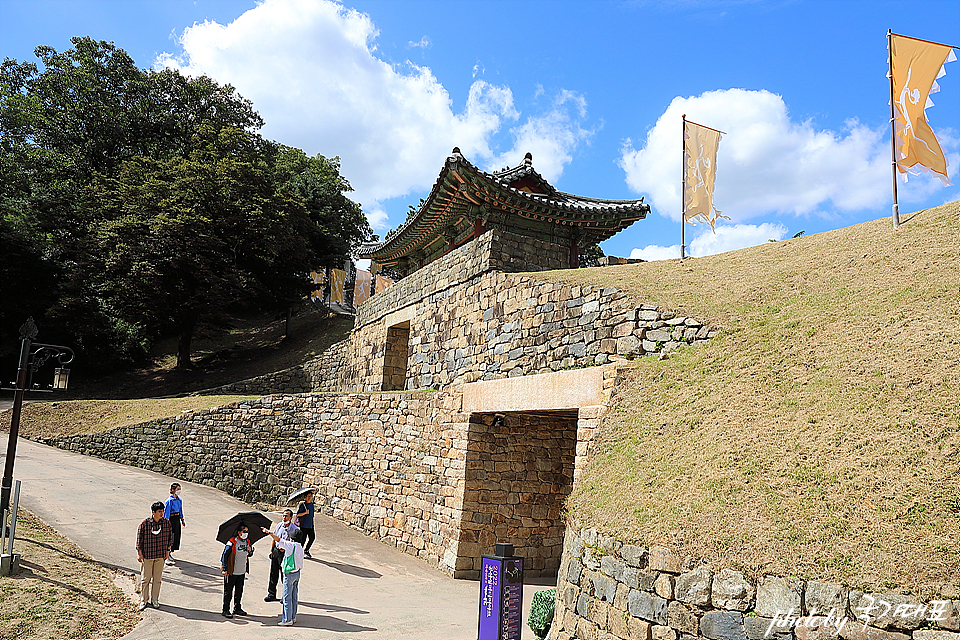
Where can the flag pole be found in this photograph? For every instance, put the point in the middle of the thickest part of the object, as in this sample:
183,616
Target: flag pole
893,131
683,187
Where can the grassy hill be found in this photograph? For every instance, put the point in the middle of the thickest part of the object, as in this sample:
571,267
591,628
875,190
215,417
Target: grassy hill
819,434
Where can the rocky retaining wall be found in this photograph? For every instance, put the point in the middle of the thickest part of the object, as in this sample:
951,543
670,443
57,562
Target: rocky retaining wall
410,469
319,374
608,590
501,325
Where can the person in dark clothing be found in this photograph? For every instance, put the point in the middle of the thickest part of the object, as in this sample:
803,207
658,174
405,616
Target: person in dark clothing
235,565
284,530
305,522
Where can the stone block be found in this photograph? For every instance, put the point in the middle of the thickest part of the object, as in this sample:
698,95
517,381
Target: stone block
617,623
628,344
656,335
764,629
663,586
598,613
634,556
816,628
647,607
731,590
723,625
664,559
683,618
583,606
935,634
604,588
646,579
662,632
889,610
777,596
854,630
612,567
820,598
693,587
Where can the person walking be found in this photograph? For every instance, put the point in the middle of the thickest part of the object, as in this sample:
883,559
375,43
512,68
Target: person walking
305,521
154,537
292,565
235,565
173,511
283,529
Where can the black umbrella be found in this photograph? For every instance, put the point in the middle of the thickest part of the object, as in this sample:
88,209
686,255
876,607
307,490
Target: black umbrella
253,520
299,493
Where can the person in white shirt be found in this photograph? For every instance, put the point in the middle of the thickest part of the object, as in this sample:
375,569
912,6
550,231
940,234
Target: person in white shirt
292,564
284,529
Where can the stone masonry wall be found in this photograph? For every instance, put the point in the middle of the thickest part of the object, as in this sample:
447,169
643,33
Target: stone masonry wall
319,374
500,325
608,590
390,465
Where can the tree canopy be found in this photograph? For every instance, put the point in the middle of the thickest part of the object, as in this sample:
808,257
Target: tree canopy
138,203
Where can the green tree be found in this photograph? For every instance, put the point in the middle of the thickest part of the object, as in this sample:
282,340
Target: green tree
158,197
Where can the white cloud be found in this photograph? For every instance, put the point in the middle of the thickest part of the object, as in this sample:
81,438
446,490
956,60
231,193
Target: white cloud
727,238
768,163
311,69
424,43
551,137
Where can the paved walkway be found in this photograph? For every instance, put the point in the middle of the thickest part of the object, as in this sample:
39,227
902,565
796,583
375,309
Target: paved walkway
355,587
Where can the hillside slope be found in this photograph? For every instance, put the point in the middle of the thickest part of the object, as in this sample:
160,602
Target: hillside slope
819,434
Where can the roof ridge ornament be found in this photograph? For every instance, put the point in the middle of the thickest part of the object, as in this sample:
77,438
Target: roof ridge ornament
528,159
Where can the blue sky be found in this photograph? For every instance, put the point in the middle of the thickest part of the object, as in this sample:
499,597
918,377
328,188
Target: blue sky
593,89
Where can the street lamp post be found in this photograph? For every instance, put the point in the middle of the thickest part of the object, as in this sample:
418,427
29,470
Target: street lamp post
33,355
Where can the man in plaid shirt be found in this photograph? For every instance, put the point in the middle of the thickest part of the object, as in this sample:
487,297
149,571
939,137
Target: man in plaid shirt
154,538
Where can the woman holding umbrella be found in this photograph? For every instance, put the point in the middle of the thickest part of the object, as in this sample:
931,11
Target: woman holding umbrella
238,535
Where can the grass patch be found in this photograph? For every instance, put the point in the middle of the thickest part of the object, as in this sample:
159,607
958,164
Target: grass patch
819,434
60,592
74,417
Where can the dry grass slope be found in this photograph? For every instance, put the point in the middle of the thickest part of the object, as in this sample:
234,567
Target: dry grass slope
74,417
60,592
819,434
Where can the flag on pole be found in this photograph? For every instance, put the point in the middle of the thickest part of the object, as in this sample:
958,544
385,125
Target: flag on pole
700,146
915,66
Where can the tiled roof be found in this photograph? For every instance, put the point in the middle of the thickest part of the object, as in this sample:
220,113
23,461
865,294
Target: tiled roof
463,193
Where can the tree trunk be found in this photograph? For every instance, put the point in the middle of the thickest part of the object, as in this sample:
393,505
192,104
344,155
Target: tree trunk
183,346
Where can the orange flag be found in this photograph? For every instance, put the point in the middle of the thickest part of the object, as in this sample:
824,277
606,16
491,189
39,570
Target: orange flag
915,66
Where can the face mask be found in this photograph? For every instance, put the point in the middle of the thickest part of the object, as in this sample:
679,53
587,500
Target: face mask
177,493
243,536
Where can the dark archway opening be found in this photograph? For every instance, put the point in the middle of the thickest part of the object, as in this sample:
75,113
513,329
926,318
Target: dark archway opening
519,472
395,357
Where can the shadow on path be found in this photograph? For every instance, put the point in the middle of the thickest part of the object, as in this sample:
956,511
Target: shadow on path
353,570
330,607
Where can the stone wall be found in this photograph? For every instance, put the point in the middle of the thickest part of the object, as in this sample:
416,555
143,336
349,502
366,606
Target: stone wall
608,590
494,250
410,469
320,374
500,325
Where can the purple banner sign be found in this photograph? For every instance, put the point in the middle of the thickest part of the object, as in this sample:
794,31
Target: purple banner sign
490,583
512,599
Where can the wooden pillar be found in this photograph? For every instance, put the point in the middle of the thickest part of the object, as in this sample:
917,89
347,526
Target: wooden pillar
574,253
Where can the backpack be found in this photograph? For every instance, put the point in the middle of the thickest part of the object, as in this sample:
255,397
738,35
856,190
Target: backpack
289,562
